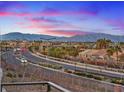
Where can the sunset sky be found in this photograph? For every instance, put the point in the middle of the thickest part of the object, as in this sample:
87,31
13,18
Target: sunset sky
62,18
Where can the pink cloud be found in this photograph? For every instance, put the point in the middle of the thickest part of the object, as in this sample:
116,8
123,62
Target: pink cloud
23,14
4,14
45,27
67,33
49,13
57,23
35,24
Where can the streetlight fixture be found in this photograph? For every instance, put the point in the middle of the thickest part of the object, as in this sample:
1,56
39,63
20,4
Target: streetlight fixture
24,64
47,46
75,66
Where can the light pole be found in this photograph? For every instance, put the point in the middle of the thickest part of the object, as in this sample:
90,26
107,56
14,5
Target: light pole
24,64
75,66
47,47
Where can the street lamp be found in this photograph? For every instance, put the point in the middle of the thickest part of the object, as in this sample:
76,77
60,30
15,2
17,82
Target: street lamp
24,64
47,46
75,66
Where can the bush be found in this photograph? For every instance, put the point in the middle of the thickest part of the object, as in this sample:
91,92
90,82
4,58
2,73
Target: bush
79,73
89,75
30,48
98,77
57,67
68,71
51,66
117,81
122,82
20,75
9,75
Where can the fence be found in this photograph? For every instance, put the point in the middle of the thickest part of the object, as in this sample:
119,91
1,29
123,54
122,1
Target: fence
27,86
77,83
72,82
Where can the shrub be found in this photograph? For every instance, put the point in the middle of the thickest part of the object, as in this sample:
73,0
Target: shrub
117,81
98,77
113,80
80,74
68,71
89,75
122,82
9,75
20,75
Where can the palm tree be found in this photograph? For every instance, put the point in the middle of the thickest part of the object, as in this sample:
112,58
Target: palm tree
102,43
114,49
117,49
44,49
110,51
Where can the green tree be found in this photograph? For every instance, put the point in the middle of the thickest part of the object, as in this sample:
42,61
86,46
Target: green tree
117,49
102,43
114,49
110,51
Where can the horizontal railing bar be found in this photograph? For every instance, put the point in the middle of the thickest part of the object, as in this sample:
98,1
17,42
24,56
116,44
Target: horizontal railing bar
58,87
36,83
24,83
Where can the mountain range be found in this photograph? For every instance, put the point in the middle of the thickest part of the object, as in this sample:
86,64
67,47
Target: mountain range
77,38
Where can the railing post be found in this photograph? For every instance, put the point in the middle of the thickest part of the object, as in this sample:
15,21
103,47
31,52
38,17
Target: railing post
0,88
1,79
48,87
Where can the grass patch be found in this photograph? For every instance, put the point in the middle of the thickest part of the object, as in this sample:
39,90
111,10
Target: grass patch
54,66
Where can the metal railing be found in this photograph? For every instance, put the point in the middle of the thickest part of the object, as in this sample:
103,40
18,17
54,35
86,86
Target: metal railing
49,85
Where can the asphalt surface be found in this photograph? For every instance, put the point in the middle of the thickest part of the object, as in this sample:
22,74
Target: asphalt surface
37,59
10,58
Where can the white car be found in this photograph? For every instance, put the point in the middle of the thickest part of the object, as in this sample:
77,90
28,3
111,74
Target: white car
23,60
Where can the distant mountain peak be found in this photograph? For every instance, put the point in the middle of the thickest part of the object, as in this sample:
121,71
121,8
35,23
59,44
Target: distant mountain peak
91,37
14,33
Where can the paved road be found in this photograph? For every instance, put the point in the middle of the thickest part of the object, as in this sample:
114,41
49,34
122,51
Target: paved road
10,58
36,59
